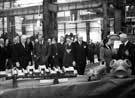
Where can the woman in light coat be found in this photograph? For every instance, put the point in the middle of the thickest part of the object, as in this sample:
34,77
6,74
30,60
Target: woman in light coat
106,53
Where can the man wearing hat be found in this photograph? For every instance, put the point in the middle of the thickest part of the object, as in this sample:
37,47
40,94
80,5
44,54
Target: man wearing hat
126,51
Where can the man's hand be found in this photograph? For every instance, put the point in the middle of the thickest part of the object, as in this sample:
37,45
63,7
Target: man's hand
88,62
17,64
29,63
127,53
35,56
74,63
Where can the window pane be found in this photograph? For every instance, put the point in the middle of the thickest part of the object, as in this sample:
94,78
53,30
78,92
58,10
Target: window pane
70,25
29,17
61,26
67,13
60,33
68,31
82,32
95,24
6,5
94,29
60,14
5,24
81,25
1,6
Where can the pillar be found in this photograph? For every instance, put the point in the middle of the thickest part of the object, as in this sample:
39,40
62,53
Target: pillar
119,16
49,20
3,21
88,30
11,27
106,28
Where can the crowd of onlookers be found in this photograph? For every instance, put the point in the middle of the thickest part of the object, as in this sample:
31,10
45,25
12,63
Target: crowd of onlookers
69,51
23,51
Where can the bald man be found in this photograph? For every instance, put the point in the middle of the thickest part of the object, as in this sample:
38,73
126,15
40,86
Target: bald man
127,51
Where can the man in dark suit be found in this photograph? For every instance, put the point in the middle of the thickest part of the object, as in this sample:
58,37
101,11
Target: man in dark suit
54,53
2,55
126,51
14,49
61,49
23,54
42,51
80,55
91,49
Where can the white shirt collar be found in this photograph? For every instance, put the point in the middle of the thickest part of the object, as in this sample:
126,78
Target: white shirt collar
126,43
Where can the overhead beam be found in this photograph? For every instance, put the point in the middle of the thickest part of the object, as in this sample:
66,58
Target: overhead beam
20,11
56,7
79,5
7,0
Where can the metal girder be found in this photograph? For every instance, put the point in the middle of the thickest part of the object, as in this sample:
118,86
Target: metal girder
6,0
79,5
21,11
56,7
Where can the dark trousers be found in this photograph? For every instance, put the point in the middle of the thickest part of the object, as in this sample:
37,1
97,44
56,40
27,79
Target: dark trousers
60,61
80,69
133,70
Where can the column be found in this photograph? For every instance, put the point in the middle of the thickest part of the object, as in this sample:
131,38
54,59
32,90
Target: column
49,20
11,27
46,19
23,25
105,19
119,20
3,22
88,30
119,16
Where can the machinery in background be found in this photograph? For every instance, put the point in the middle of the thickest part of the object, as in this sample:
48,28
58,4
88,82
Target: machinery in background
120,68
41,73
97,72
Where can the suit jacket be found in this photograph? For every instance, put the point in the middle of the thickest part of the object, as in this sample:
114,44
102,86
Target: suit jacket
42,51
68,56
91,49
130,48
122,49
2,58
61,49
23,55
8,50
106,54
80,53
14,54
54,55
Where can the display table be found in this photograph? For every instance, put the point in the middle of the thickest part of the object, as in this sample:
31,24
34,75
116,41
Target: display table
72,88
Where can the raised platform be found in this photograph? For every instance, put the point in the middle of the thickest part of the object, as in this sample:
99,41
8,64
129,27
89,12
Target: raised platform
71,88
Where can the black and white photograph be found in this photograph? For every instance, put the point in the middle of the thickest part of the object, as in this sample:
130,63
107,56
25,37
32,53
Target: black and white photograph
67,48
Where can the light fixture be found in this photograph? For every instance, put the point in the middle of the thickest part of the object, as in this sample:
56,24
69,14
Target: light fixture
25,3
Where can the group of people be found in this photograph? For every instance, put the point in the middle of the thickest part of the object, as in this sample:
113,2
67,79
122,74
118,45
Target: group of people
126,50
14,53
68,52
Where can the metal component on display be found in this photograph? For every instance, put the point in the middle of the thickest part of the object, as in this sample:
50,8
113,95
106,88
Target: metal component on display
69,71
41,73
121,68
97,72
14,81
